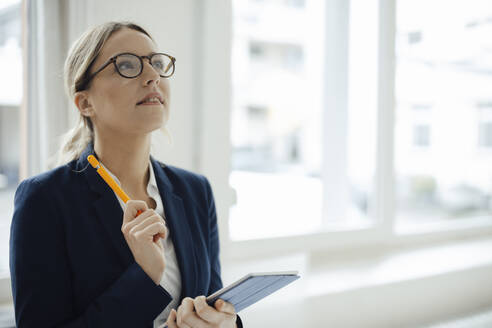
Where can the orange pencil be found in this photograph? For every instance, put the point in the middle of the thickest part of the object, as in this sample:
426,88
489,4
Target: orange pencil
109,180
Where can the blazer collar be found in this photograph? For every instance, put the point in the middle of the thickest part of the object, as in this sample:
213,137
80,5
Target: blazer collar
110,214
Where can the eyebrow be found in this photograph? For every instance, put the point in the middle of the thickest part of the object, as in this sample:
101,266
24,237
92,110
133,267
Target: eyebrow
130,52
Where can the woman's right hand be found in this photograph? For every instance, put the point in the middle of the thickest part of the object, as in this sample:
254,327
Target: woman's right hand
142,234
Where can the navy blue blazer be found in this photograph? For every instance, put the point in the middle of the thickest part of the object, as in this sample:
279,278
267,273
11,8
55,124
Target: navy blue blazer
70,264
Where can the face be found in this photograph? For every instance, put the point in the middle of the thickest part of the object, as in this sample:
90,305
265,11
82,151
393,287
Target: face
112,101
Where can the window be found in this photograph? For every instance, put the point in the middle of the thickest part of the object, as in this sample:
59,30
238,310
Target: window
10,100
442,73
485,134
256,51
290,177
283,56
421,135
485,125
414,37
296,3
275,126
381,126
291,3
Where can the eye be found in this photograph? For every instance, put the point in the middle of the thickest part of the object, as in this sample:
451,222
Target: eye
159,64
126,65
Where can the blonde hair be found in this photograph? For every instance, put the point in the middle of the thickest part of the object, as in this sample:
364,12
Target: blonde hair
81,56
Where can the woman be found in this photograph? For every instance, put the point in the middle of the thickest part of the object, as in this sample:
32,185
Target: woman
79,256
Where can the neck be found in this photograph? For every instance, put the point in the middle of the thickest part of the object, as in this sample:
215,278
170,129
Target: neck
127,157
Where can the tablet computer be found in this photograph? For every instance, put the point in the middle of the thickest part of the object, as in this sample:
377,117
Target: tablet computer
252,288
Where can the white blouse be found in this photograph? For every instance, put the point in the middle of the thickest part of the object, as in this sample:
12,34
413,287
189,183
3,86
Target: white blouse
171,278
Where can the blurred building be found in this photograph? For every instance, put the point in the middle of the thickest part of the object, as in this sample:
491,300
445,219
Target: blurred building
443,132
276,103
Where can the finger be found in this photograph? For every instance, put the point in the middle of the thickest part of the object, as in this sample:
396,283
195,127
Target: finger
205,311
154,218
141,224
132,207
171,319
187,316
126,227
183,309
157,228
224,306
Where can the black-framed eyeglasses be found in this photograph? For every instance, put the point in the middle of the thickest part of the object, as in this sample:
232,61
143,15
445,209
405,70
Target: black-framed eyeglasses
130,66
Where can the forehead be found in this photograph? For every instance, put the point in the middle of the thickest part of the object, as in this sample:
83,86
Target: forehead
126,40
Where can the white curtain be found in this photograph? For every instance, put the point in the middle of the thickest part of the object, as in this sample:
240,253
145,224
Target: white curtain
51,26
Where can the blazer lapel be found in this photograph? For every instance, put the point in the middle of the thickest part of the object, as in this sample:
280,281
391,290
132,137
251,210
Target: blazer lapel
178,225
108,209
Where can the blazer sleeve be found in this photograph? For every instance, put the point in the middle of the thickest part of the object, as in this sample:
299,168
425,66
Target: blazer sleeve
40,274
214,247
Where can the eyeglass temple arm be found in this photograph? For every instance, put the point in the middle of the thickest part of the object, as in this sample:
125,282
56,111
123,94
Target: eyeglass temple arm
101,68
170,63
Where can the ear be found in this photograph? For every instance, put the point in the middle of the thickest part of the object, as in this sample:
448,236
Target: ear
83,103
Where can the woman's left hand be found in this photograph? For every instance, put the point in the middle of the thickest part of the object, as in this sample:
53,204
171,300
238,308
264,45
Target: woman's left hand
196,313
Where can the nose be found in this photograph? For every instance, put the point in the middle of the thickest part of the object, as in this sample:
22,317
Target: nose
149,74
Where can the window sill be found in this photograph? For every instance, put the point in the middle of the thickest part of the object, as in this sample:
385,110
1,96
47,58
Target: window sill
385,287
384,267
5,289
373,236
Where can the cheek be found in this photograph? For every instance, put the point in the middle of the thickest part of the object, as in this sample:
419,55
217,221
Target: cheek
165,88
118,97
122,94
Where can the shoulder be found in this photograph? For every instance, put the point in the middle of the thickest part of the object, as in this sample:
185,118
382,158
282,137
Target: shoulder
179,175
188,184
44,182
36,198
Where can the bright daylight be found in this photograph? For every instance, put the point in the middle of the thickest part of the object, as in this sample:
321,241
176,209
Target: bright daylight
246,163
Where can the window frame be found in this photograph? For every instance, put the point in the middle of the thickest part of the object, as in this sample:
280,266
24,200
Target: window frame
383,232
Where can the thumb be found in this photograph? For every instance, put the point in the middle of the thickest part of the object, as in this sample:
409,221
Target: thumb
223,306
171,319
219,304
133,207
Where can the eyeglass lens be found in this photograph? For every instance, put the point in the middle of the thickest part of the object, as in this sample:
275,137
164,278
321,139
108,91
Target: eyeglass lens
131,66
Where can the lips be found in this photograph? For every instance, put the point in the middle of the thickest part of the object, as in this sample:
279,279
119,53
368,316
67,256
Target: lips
153,97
